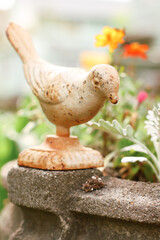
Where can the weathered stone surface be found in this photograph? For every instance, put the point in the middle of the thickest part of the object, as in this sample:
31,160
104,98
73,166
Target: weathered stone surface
45,190
55,190
10,220
17,223
4,172
121,199
53,206
92,227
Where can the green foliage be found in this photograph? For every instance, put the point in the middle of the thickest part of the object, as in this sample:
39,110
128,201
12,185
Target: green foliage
127,111
8,148
19,130
153,128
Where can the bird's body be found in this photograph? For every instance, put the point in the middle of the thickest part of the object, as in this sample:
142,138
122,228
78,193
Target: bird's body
68,96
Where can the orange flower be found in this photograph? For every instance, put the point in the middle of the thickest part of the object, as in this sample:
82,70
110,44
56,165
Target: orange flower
110,37
135,50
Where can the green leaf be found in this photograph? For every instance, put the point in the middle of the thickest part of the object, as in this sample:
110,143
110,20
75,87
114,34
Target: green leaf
152,124
106,125
20,123
113,127
117,126
129,131
133,159
134,147
109,157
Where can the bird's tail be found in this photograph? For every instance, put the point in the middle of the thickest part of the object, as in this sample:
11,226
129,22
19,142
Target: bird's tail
22,42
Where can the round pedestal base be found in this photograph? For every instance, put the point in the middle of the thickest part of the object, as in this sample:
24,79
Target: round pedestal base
60,153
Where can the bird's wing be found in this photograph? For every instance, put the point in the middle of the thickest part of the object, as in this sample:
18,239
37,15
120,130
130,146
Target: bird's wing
46,81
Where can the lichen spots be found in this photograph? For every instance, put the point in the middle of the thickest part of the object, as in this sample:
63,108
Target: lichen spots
69,88
96,82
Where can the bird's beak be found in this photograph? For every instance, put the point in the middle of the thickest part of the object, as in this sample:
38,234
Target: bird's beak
114,100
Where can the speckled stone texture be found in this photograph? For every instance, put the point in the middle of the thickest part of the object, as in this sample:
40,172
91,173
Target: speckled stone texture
51,205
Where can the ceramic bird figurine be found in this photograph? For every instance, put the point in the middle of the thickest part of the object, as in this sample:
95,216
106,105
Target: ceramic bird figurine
68,96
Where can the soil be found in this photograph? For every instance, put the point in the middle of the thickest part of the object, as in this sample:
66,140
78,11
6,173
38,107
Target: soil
122,173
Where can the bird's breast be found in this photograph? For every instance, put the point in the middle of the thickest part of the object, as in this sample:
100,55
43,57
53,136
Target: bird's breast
79,107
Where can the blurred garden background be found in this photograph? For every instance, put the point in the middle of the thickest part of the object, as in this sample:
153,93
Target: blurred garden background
64,33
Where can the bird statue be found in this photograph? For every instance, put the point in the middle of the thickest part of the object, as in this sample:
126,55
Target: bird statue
68,96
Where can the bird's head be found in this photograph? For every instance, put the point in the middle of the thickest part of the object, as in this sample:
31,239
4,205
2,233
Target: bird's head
105,80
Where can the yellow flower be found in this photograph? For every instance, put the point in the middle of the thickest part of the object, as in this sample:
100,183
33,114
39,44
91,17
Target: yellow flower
89,59
110,37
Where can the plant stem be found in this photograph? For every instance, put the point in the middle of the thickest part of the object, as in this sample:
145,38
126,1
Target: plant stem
104,135
111,61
